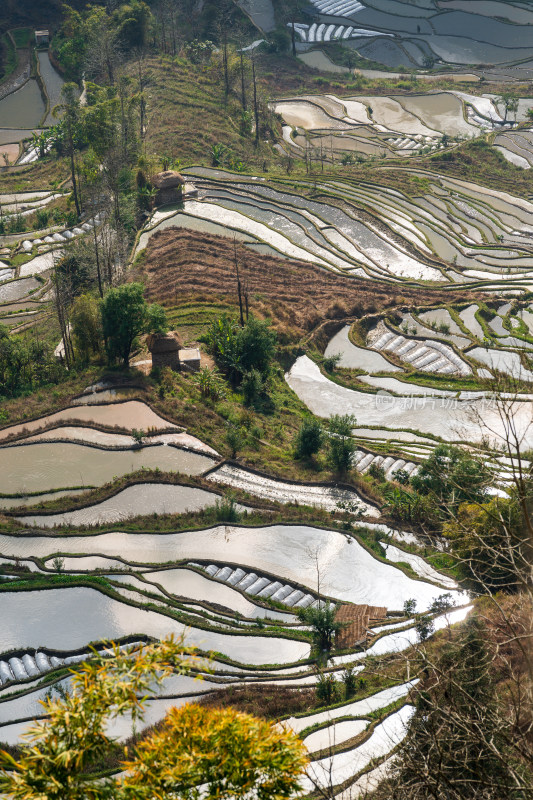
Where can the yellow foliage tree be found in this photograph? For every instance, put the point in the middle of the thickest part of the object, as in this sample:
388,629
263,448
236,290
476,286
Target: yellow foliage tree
198,752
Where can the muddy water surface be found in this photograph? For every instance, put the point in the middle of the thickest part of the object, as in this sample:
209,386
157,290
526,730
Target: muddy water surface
54,465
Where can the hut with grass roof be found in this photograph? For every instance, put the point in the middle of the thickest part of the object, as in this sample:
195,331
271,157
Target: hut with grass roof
165,350
169,186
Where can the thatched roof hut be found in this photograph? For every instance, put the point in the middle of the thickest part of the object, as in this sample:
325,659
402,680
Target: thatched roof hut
170,179
169,185
165,350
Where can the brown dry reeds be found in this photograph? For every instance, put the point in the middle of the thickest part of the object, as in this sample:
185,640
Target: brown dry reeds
183,266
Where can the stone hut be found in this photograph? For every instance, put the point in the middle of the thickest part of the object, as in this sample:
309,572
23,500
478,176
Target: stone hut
165,350
169,186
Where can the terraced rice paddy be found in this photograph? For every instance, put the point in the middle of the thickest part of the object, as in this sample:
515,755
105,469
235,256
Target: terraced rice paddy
219,583
517,147
128,415
134,501
157,583
261,486
351,573
45,466
424,347
408,33
421,375
71,617
28,283
24,110
446,416
402,125
454,234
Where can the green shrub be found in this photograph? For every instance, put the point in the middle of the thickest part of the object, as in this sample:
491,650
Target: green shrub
330,362
252,385
226,510
234,439
350,682
324,626
327,688
309,438
41,218
16,224
341,446
211,383
401,476
376,472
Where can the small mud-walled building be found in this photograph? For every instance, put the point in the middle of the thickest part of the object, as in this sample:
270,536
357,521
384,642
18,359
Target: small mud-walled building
42,38
169,186
165,350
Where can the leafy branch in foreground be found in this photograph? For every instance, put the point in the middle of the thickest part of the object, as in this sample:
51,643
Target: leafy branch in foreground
197,751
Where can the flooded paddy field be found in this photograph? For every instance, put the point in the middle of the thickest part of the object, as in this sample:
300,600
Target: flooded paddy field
29,108
399,125
24,108
483,237
45,466
456,421
215,582
403,34
414,377
153,579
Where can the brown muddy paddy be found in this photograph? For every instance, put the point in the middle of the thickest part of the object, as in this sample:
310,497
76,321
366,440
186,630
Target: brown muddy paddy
127,416
56,465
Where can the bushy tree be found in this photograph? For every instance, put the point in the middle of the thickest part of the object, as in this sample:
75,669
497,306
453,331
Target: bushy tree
240,351
349,680
77,268
134,23
459,745
309,438
26,363
70,43
342,424
125,315
221,339
451,476
252,385
327,688
493,544
197,751
424,628
256,343
71,124
323,624
234,438
86,324
341,445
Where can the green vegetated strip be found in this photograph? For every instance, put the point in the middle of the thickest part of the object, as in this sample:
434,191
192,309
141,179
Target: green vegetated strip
189,113
21,36
8,56
43,175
